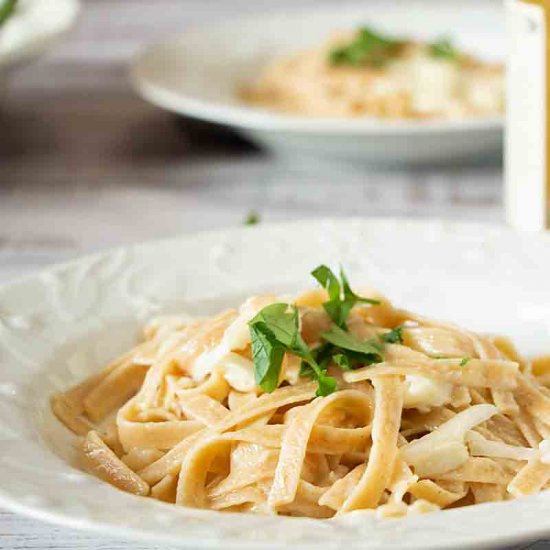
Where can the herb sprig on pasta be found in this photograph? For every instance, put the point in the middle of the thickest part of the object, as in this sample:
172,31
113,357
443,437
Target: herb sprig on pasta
316,405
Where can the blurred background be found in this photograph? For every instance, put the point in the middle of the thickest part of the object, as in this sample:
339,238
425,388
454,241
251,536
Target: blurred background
86,164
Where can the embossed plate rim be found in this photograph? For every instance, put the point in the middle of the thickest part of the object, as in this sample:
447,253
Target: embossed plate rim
65,496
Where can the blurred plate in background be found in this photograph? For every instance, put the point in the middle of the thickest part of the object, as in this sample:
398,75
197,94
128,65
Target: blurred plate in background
33,28
199,73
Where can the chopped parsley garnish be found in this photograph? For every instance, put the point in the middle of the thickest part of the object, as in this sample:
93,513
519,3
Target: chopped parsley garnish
444,49
345,362
465,361
341,296
343,350
394,336
273,332
348,352
322,356
371,350
348,360
267,354
252,218
7,7
367,48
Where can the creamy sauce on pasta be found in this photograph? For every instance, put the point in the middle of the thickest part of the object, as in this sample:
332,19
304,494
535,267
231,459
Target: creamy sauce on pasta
415,415
413,84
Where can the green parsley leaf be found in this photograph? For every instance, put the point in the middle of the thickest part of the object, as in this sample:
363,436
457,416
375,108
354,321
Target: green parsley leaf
341,296
347,361
252,218
7,7
444,49
350,360
465,361
367,48
306,370
329,281
281,320
274,331
342,361
338,311
327,353
327,385
369,349
267,355
394,336
322,356
350,296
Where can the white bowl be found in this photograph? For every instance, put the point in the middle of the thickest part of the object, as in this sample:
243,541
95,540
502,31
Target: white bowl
57,327
34,28
199,72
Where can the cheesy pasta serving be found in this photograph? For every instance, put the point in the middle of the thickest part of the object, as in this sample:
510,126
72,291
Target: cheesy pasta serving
317,405
365,73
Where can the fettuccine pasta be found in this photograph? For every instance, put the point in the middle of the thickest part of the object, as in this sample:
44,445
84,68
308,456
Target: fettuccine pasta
367,74
363,407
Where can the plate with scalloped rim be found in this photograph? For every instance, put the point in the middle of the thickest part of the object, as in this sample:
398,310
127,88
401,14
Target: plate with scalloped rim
58,326
198,73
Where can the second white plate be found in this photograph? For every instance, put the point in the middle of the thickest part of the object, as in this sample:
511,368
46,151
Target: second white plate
199,72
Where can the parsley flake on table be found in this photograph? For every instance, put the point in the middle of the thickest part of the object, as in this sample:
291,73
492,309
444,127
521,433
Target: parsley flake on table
252,218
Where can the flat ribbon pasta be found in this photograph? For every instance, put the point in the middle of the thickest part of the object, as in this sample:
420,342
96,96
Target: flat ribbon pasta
388,399
296,437
446,418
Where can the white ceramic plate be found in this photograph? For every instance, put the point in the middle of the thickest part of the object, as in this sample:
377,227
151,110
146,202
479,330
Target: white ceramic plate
32,30
57,327
199,72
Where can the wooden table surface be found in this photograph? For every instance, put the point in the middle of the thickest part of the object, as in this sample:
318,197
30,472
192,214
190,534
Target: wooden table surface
85,165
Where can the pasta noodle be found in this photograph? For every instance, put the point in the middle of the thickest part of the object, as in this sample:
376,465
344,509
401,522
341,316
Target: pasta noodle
380,410
412,80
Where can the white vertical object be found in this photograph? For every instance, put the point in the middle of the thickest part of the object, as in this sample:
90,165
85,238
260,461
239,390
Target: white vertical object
526,192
